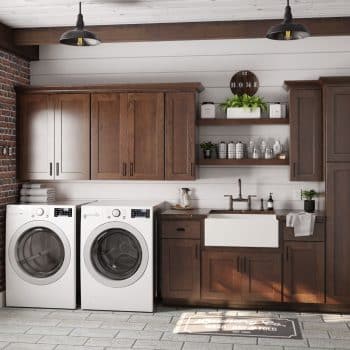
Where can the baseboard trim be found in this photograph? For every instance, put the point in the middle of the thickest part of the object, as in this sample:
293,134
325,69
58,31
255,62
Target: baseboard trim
2,299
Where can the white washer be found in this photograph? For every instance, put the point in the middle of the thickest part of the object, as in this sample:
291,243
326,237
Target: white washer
41,254
117,272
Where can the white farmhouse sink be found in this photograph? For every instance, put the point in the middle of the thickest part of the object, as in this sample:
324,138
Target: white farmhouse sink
241,230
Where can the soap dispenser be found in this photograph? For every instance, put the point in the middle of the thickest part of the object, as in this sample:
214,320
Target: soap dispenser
270,203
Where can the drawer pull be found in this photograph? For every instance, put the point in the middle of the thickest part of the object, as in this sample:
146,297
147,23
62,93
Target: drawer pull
180,229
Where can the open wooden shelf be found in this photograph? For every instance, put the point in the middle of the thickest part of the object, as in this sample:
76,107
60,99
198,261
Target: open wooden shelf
220,162
258,121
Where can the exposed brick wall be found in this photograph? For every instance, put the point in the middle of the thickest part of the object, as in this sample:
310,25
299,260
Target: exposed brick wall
13,71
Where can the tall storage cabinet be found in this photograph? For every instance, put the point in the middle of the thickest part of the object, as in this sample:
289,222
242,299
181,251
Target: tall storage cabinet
336,92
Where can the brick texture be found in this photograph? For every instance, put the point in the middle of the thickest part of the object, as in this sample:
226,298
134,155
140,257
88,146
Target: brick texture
13,71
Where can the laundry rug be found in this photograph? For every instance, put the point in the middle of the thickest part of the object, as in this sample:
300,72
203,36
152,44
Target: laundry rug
221,323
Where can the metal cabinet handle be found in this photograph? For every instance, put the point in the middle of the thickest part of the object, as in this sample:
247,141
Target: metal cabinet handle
180,229
124,169
57,169
50,168
294,169
131,169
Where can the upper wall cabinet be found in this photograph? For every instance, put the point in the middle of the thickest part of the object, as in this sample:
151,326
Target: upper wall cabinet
138,132
54,136
180,136
306,124
337,122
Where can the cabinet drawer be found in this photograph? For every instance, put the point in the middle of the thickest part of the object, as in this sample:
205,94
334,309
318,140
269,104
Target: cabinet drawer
318,236
181,229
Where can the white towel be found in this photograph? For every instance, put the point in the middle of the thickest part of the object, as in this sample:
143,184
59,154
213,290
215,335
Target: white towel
30,185
37,199
302,222
37,191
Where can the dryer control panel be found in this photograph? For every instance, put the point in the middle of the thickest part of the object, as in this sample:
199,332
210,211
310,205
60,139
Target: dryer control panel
63,212
140,213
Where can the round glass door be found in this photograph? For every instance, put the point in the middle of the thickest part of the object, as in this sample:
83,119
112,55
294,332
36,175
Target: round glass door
116,254
40,252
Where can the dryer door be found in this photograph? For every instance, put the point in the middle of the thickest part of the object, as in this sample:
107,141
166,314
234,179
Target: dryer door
116,254
39,252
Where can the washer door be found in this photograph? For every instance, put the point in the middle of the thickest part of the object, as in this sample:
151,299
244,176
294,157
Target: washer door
116,254
39,252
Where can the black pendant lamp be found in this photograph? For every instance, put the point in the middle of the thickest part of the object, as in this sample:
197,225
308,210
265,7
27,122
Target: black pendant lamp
79,36
288,30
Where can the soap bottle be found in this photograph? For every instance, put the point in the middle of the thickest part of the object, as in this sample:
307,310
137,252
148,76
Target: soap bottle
270,203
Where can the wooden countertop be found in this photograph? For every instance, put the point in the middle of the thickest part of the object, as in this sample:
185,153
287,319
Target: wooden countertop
204,212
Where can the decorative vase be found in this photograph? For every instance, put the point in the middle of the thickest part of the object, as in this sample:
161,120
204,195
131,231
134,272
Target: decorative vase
207,153
243,113
309,206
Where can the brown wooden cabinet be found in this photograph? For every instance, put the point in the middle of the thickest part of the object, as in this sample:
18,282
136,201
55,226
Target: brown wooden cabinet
338,237
108,136
180,136
337,121
145,136
240,276
180,273
304,272
54,137
306,131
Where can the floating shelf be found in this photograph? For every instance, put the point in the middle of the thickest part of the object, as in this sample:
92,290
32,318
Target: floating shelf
220,162
258,121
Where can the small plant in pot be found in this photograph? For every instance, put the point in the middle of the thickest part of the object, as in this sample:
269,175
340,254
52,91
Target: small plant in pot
309,202
244,106
207,148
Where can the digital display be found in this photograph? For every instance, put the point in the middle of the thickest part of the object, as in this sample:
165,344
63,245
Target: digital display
140,213
63,212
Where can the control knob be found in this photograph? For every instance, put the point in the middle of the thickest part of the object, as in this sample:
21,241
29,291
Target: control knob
39,211
116,213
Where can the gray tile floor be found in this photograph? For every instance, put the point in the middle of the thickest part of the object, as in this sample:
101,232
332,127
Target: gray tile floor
42,329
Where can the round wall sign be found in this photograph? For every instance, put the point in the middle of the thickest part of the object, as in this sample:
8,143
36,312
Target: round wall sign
244,82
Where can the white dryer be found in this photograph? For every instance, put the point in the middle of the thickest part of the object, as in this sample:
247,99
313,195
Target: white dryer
117,272
41,254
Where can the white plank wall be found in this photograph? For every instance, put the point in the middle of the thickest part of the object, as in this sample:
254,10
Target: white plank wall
212,63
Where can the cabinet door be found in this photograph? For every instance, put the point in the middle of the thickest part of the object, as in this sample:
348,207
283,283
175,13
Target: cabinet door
35,137
304,272
180,269
108,136
262,277
146,136
337,126
72,136
338,237
180,137
221,279
306,145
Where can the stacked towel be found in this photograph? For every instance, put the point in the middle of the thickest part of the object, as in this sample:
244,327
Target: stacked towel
35,193
302,222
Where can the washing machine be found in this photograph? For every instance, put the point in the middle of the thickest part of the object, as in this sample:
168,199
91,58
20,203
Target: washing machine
117,255
41,255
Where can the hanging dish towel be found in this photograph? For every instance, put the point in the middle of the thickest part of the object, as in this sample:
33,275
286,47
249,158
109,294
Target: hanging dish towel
303,223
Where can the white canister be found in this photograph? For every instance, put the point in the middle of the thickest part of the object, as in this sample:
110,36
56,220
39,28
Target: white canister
231,150
239,150
208,110
222,150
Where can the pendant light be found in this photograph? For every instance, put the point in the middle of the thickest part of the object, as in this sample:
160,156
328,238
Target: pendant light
79,36
288,30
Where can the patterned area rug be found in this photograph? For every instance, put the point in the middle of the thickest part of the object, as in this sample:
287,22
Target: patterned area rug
221,323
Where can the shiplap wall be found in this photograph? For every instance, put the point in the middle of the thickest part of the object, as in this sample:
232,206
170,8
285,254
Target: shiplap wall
212,63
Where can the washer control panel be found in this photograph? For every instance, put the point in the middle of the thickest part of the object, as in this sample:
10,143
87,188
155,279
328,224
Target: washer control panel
63,212
140,213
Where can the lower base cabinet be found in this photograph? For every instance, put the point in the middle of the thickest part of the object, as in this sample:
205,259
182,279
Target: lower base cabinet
180,271
304,266
240,276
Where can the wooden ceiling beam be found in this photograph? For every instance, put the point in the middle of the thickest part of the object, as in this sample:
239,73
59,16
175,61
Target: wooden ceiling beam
330,26
6,43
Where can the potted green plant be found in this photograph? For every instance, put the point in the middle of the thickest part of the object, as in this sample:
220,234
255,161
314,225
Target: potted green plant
309,202
207,148
244,106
